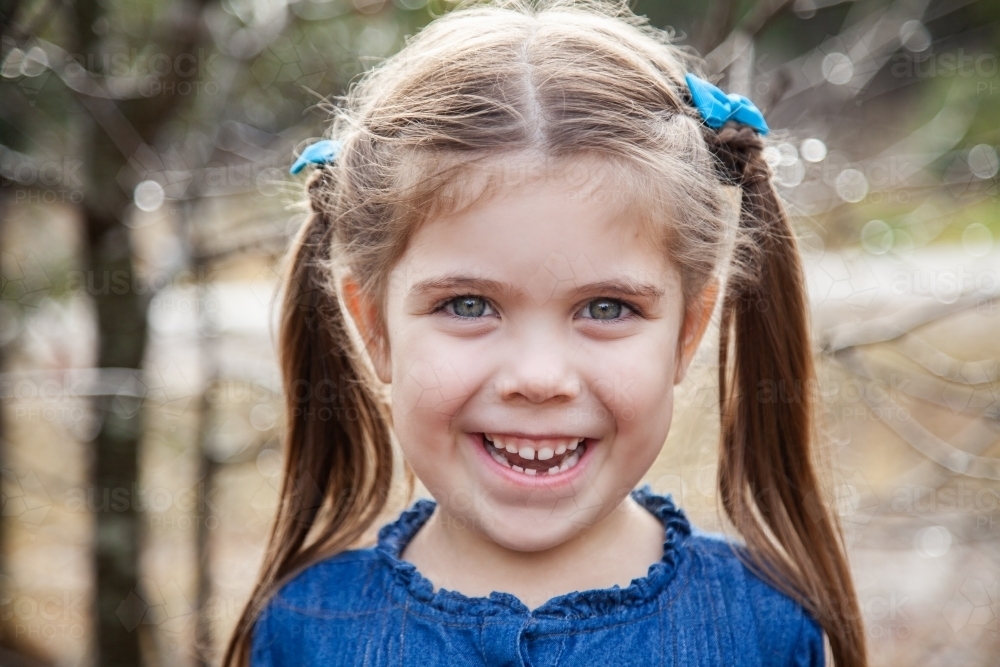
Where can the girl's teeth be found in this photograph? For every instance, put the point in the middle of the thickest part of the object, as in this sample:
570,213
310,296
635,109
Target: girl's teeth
570,462
499,446
500,459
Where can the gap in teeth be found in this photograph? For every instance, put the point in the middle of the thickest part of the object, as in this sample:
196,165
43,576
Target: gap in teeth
549,461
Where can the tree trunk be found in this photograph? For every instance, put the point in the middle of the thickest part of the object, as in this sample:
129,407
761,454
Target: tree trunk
122,328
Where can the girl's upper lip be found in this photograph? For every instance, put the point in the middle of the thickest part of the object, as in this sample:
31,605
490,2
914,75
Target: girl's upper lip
530,436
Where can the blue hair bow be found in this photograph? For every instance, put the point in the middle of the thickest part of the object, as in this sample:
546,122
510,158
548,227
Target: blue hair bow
717,108
321,152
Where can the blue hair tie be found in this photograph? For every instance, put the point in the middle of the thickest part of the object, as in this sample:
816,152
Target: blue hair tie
717,108
321,152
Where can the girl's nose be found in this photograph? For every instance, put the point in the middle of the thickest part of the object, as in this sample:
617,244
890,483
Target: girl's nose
538,373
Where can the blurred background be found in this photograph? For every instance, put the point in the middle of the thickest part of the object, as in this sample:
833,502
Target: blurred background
146,203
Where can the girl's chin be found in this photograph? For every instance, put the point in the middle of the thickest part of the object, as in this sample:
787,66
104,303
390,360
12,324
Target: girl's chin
529,530
537,523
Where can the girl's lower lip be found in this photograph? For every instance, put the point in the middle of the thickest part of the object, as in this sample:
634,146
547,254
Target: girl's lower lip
533,481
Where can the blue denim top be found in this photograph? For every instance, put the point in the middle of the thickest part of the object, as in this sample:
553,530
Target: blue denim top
698,606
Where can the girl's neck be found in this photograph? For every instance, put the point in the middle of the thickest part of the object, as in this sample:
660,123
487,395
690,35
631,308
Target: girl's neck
618,548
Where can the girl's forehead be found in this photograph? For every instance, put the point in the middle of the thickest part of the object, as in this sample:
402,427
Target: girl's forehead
520,216
553,213
564,228
584,181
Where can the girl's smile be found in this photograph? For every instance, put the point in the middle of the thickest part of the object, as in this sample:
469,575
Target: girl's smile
532,455
549,462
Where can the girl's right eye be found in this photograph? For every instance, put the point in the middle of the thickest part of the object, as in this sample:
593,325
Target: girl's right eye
466,307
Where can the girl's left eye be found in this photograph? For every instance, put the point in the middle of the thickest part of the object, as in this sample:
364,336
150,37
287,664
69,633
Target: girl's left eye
607,310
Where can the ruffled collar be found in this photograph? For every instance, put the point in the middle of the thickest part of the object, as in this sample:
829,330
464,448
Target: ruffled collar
394,537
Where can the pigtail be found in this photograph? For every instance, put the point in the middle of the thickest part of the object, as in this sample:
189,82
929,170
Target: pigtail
338,454
767,481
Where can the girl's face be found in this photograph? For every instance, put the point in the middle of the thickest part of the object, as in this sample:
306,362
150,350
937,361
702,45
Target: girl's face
533,346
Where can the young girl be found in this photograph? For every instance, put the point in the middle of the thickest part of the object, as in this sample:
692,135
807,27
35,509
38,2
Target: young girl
520,227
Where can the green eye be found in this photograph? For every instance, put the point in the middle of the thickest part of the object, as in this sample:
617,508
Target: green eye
469,306
604,309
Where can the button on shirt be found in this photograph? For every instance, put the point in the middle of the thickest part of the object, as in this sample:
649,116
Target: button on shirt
698,606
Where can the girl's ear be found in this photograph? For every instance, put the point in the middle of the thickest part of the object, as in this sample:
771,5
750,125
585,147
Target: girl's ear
365,316
696,319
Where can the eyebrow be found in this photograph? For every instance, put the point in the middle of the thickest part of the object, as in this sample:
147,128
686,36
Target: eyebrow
625,287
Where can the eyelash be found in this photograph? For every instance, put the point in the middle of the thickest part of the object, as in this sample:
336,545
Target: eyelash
442,305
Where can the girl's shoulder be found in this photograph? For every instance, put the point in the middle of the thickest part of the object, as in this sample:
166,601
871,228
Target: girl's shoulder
343,585
321,603
350,583
724,565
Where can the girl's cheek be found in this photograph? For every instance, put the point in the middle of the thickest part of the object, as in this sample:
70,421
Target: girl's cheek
433,381
638,397
637,384
428,388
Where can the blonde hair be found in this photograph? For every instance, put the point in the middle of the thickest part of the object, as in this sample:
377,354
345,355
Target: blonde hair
560,80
